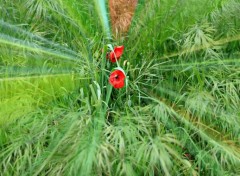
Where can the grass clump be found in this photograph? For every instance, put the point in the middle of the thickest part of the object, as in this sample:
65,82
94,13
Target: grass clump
177,113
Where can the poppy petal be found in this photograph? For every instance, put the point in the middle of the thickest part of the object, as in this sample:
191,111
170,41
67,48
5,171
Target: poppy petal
117,52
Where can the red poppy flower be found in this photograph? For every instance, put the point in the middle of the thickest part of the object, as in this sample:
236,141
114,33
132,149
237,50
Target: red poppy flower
117,79
118,52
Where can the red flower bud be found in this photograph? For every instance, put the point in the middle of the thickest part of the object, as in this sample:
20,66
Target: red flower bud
117,79
118,51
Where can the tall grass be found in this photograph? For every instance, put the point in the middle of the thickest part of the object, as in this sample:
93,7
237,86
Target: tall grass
178,114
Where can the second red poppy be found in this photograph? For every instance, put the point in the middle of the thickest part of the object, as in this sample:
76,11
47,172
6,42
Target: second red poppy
115,55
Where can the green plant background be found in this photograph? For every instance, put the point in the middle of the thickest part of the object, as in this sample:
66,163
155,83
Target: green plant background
177,115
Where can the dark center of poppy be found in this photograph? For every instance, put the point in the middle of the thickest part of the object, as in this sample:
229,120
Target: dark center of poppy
116,77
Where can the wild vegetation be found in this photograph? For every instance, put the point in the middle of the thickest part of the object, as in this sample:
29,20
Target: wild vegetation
177,114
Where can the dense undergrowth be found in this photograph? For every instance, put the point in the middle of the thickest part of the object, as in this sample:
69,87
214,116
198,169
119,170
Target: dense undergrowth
178,113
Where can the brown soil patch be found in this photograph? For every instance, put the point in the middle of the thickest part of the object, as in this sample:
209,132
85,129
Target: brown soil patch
121,13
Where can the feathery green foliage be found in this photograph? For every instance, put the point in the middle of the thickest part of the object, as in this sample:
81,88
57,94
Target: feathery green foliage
178,114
